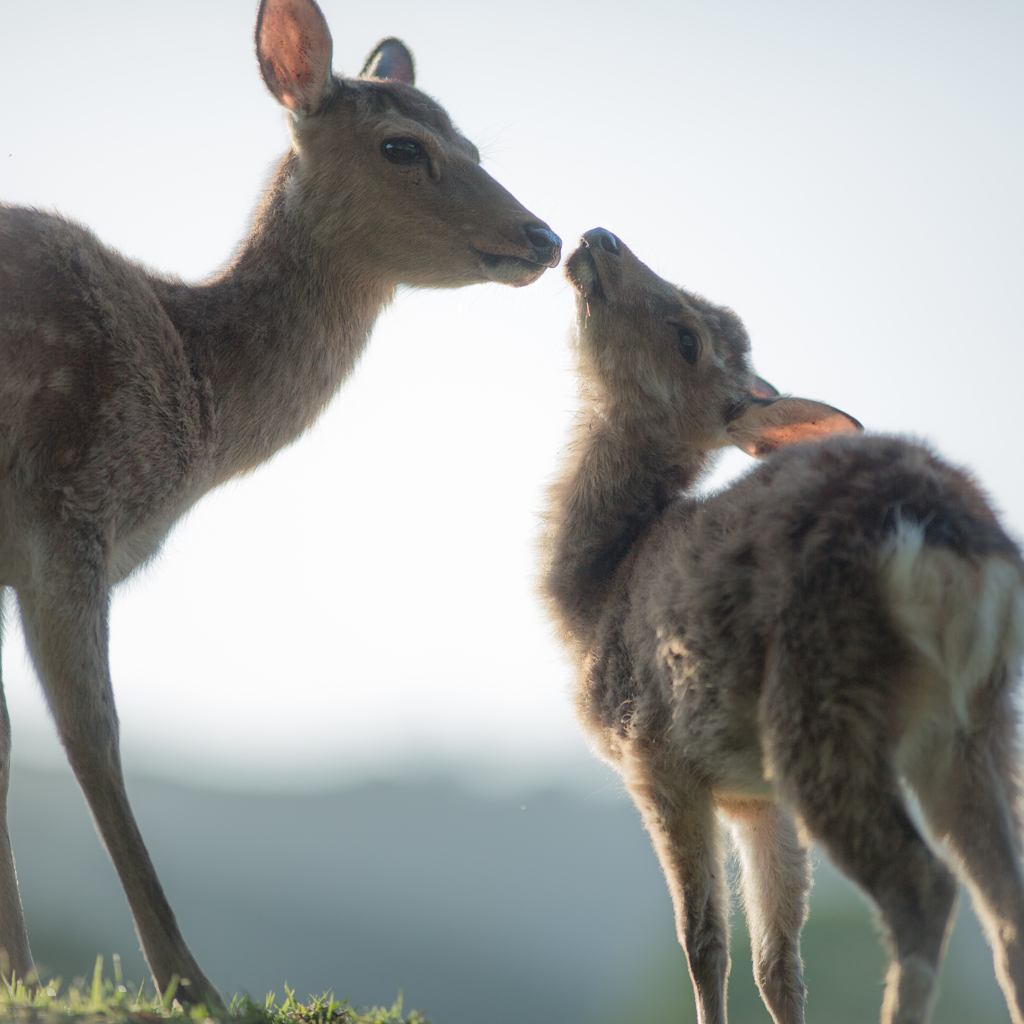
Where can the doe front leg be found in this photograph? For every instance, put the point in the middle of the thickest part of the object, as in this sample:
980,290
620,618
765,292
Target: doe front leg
684,831
66,628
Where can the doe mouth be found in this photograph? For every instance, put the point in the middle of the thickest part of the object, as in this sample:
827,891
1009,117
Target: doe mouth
513,270
494,261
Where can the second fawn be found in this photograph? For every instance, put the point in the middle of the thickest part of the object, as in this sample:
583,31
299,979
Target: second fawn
785,656
125,396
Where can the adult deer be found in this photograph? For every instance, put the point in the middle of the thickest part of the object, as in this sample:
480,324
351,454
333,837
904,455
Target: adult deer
783,655
126,396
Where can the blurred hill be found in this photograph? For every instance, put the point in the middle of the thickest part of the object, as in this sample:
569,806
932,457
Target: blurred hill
521,905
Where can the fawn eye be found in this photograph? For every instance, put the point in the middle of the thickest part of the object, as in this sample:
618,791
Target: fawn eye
402,151
688,345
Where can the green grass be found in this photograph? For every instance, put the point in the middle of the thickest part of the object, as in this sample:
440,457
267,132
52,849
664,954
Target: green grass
110,1000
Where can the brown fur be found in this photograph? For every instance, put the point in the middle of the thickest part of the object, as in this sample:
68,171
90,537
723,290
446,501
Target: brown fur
782,656
125,396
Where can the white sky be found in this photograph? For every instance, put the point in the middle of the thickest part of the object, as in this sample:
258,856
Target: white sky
847,176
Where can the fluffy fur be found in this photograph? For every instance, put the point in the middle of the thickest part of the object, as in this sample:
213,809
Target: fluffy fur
785,655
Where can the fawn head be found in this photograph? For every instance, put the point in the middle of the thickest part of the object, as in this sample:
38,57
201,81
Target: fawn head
380,170
657,355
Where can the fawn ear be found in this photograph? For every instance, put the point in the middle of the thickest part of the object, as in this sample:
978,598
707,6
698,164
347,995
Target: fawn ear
772,424
293,47
390,59
762,389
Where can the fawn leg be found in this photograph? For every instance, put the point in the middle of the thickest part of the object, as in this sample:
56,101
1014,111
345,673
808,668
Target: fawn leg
13,936
970,805
776,881
65,619
879,848
828,747
683,828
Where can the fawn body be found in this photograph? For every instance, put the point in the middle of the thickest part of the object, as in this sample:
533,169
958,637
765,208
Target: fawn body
784,655
125,396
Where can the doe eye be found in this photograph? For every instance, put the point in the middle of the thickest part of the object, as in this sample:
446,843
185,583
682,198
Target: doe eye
402,151
688,345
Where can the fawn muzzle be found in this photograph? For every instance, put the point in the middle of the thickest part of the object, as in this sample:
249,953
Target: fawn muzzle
601,239
605,269
581,268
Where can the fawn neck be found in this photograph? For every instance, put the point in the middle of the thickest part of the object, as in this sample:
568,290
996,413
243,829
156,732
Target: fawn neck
617,482
277,331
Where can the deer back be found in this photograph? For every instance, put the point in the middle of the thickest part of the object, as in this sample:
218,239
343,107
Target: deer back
674,603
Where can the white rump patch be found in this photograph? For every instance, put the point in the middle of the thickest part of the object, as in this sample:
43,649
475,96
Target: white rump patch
966,619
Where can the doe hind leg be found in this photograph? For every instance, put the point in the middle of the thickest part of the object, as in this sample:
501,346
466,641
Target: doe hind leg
775,882
13,936
680,817
829,752
971,801
64,613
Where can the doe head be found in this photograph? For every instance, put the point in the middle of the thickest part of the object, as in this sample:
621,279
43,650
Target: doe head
381,173
668,360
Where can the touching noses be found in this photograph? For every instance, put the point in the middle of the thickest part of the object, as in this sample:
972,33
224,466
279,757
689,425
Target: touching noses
546,245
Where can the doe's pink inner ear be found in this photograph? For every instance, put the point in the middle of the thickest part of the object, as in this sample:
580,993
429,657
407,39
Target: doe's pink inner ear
293,46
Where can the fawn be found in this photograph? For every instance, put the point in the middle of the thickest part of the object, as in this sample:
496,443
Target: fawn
126,396
783,656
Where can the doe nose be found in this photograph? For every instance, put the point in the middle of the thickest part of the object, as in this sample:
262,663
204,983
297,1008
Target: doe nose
600,238
547,246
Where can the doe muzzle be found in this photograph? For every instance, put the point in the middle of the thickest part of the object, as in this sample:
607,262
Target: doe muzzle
546,245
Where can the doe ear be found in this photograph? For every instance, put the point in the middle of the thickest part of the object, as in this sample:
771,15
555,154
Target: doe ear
772,424
293,47
390,58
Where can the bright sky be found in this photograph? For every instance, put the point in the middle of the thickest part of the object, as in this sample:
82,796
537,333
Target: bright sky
847,176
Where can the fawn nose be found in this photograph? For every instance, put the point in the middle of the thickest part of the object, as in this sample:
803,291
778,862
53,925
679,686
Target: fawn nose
547,246
599,238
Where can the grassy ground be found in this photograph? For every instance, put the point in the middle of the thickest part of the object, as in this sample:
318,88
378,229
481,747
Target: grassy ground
481,911
110,1000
